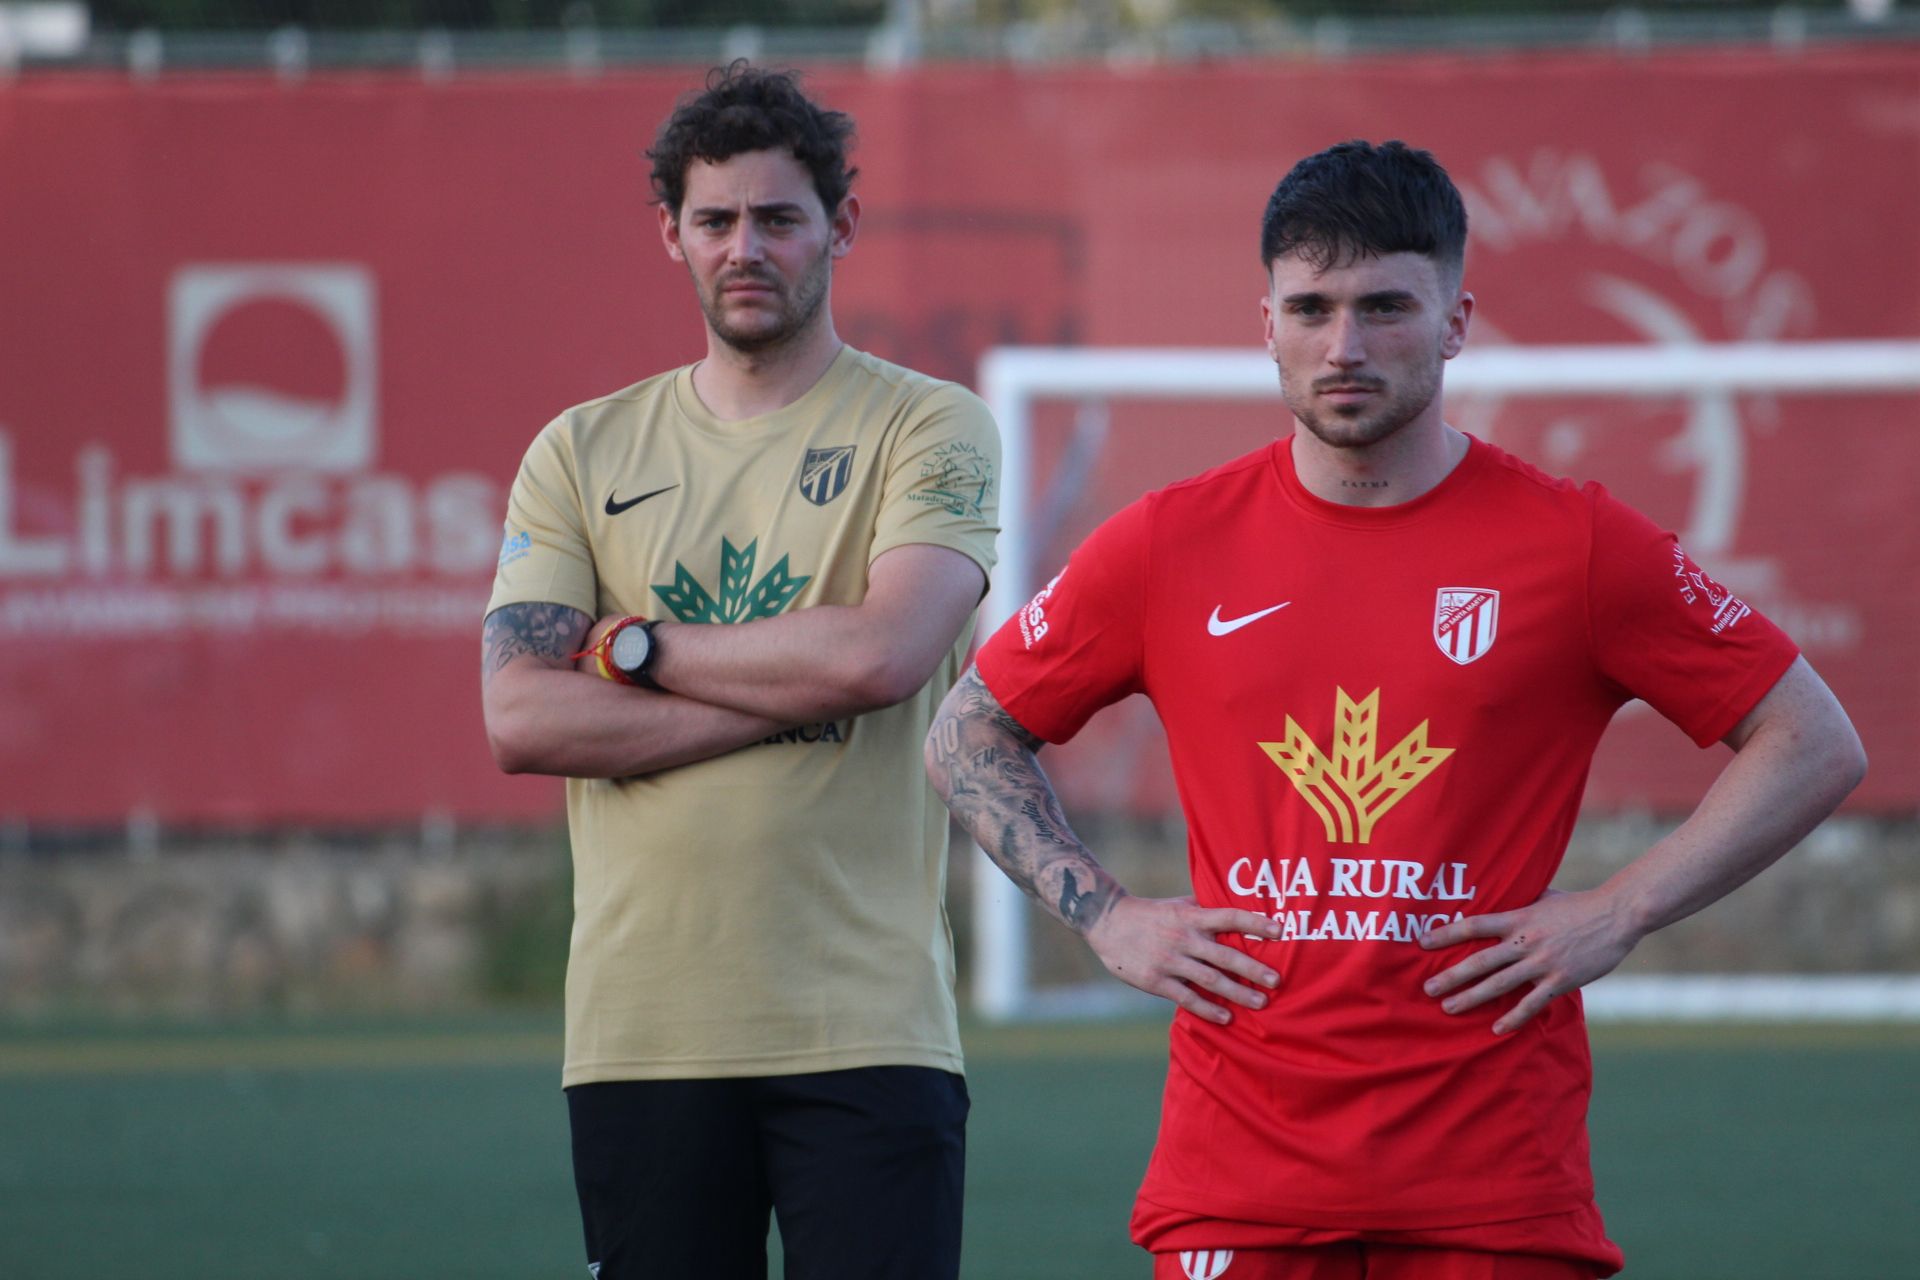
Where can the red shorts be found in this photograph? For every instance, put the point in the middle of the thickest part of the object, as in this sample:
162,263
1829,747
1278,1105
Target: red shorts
1364,1260
1555,1246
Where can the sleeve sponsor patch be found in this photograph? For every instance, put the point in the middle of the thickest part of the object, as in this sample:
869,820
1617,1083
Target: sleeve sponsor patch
1033,618
517,545
1723,607
957,479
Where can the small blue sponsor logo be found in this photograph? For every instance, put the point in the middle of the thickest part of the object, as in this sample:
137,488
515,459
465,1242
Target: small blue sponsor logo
516,546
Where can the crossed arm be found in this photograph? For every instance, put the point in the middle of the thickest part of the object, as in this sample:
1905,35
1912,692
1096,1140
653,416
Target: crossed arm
981,761
1796,756
730,685
831,661
545,717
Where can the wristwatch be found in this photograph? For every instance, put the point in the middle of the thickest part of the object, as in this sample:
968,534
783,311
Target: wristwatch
631,651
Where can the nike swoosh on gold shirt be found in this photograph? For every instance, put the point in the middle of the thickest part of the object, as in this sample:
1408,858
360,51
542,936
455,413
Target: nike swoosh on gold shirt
1216,626
615,508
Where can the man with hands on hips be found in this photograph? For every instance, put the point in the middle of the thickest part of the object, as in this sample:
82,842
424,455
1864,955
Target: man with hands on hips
1383,653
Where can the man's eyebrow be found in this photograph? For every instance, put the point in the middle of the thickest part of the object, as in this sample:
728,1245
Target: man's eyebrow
775,208
1376,296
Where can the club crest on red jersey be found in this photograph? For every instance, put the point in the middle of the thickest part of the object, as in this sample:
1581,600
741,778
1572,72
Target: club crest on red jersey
1205,1264
1465,621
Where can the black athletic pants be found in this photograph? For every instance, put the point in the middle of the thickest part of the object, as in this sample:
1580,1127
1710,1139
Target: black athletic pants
863,1169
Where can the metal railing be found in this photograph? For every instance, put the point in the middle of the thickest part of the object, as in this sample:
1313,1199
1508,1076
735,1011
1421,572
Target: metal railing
293,52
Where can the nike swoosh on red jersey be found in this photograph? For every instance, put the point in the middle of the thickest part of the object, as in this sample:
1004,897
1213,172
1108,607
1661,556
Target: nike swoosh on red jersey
1217,627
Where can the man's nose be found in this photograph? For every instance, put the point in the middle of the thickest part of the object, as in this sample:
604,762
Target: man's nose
1346,341
744,245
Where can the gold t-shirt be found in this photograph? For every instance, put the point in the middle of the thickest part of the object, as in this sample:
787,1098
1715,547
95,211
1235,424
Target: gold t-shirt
779,908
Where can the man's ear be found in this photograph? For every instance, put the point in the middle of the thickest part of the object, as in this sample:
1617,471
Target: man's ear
1457,325
846,225
670,233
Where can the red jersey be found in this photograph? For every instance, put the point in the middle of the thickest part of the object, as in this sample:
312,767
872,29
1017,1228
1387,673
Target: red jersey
1380,719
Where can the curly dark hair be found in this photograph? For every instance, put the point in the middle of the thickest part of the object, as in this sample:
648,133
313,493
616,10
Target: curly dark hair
1357,200
745,108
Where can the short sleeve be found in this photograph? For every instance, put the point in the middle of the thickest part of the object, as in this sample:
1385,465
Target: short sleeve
1668,633
545,556
1077,646
943,479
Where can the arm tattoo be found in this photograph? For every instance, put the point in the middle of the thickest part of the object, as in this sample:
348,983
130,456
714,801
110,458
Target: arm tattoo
549,632
1073,903
982,762
1043,826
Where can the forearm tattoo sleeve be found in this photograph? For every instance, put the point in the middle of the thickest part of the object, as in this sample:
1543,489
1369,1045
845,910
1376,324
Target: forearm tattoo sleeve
982,762
549,632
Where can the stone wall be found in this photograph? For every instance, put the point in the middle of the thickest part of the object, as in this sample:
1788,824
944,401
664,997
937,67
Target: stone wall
438,919
403,920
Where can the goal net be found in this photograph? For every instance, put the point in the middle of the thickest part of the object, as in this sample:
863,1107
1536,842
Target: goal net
1068,416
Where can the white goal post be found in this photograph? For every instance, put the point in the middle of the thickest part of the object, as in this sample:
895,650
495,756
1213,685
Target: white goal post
1013,379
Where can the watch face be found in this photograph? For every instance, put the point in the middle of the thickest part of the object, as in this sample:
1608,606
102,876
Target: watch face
630,647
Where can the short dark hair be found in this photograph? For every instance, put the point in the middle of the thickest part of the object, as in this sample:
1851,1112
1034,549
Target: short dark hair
1355,200
746,108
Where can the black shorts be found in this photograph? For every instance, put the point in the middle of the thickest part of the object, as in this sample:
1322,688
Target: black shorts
863,1169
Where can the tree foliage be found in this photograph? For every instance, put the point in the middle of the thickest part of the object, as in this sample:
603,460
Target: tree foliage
485,15
475,15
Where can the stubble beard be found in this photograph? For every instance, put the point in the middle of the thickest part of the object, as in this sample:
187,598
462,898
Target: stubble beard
1363,425
797,308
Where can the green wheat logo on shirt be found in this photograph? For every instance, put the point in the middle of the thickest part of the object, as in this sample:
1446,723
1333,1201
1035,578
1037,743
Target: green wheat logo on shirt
738,601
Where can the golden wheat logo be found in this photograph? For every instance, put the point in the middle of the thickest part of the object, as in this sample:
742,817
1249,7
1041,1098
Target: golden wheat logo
1351,791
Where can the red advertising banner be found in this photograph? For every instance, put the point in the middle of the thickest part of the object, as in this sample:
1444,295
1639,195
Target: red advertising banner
270,354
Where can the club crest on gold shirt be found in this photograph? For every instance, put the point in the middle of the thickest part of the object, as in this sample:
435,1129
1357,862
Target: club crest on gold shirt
825,472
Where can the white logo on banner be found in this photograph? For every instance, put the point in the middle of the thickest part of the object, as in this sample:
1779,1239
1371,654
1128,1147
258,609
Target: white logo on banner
1205,1264
236,418
272,514
1464,621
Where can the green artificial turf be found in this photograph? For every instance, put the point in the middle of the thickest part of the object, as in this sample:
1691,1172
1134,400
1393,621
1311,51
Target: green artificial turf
377,1150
